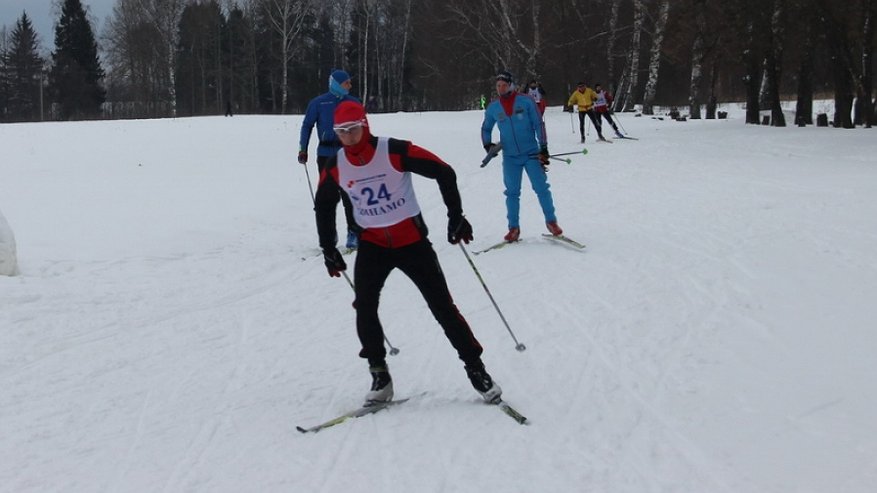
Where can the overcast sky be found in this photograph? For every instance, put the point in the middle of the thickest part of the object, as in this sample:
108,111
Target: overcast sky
44,17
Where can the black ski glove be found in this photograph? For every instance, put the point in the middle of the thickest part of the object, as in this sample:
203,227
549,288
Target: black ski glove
459,230
488,147
543,158
334,261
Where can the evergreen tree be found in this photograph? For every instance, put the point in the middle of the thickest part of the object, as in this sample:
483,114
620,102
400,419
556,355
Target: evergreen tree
23,72
4,78
76,75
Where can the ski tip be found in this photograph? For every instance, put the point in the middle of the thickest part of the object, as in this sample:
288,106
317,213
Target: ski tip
299,428
585,150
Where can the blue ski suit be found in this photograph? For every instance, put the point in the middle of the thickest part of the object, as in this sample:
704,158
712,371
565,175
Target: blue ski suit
522,135
321,111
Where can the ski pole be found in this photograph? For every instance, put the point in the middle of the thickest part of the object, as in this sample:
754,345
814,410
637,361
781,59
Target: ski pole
310,187
393,350
620,124
518,345
572,125
568,153
554,156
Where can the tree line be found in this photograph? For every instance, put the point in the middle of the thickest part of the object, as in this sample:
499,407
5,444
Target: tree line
162,58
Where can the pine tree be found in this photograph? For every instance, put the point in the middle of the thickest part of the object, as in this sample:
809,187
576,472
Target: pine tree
24,72
76,75
4,77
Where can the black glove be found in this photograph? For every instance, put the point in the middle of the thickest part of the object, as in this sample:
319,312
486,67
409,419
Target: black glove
568,109
303,157
334,261
459,229
488,146
543,158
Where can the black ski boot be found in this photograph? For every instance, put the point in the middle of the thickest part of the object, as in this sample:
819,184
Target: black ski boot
382,385
482,382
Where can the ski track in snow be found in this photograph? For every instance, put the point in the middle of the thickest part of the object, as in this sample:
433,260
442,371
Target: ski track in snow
173,322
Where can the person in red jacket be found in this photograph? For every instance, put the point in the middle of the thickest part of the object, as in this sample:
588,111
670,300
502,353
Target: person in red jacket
376,174
601,106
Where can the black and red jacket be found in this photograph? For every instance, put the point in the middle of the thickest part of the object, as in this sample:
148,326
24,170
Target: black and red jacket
405,157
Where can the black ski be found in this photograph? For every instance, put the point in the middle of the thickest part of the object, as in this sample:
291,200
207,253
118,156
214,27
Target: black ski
564,240
356,413
626,137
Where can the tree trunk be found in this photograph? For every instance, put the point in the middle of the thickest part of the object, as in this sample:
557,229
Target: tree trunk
865,107
774,63
712,103
839,53
655,57
752,61
804,105
633,73
613,86
400,76
697,57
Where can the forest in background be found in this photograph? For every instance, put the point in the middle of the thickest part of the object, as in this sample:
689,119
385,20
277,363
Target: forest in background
164,58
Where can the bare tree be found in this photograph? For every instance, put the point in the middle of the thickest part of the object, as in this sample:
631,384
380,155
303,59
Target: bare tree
286,20
639,14
697,58
864,109
655,57
774,60
509,31
164,16
610,44
804,103
841,58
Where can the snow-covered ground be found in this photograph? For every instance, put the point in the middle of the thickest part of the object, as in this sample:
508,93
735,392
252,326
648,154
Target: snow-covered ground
172,323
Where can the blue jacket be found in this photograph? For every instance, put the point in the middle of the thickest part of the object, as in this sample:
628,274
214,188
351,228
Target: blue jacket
522,133
321,111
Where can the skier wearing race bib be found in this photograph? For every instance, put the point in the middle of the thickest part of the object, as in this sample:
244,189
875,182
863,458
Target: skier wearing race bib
601,107
375,173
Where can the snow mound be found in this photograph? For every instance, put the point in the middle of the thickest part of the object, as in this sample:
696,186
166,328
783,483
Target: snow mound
8,262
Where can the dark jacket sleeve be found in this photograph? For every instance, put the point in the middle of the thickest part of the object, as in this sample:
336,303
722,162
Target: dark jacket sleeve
325,202
418,160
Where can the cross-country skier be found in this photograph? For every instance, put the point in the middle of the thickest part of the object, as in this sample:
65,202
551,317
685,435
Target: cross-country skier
601,107
375,172
321,112
524,148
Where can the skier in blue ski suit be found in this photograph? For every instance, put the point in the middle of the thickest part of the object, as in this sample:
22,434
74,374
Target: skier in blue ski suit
524,148
321,112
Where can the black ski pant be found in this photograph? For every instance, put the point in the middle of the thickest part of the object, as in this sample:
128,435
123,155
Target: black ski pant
419,262
595,120
345,200
608,118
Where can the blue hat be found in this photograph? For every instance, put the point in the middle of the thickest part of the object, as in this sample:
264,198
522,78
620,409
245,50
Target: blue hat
340,76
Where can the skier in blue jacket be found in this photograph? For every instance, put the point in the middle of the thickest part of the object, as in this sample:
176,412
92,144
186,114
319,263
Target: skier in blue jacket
321,112
524,148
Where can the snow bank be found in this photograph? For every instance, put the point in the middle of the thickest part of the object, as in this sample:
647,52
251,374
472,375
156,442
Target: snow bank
8,262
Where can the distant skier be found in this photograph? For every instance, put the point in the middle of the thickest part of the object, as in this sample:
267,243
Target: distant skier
584,97
536,91
320,112
375,173
524,148
601,107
